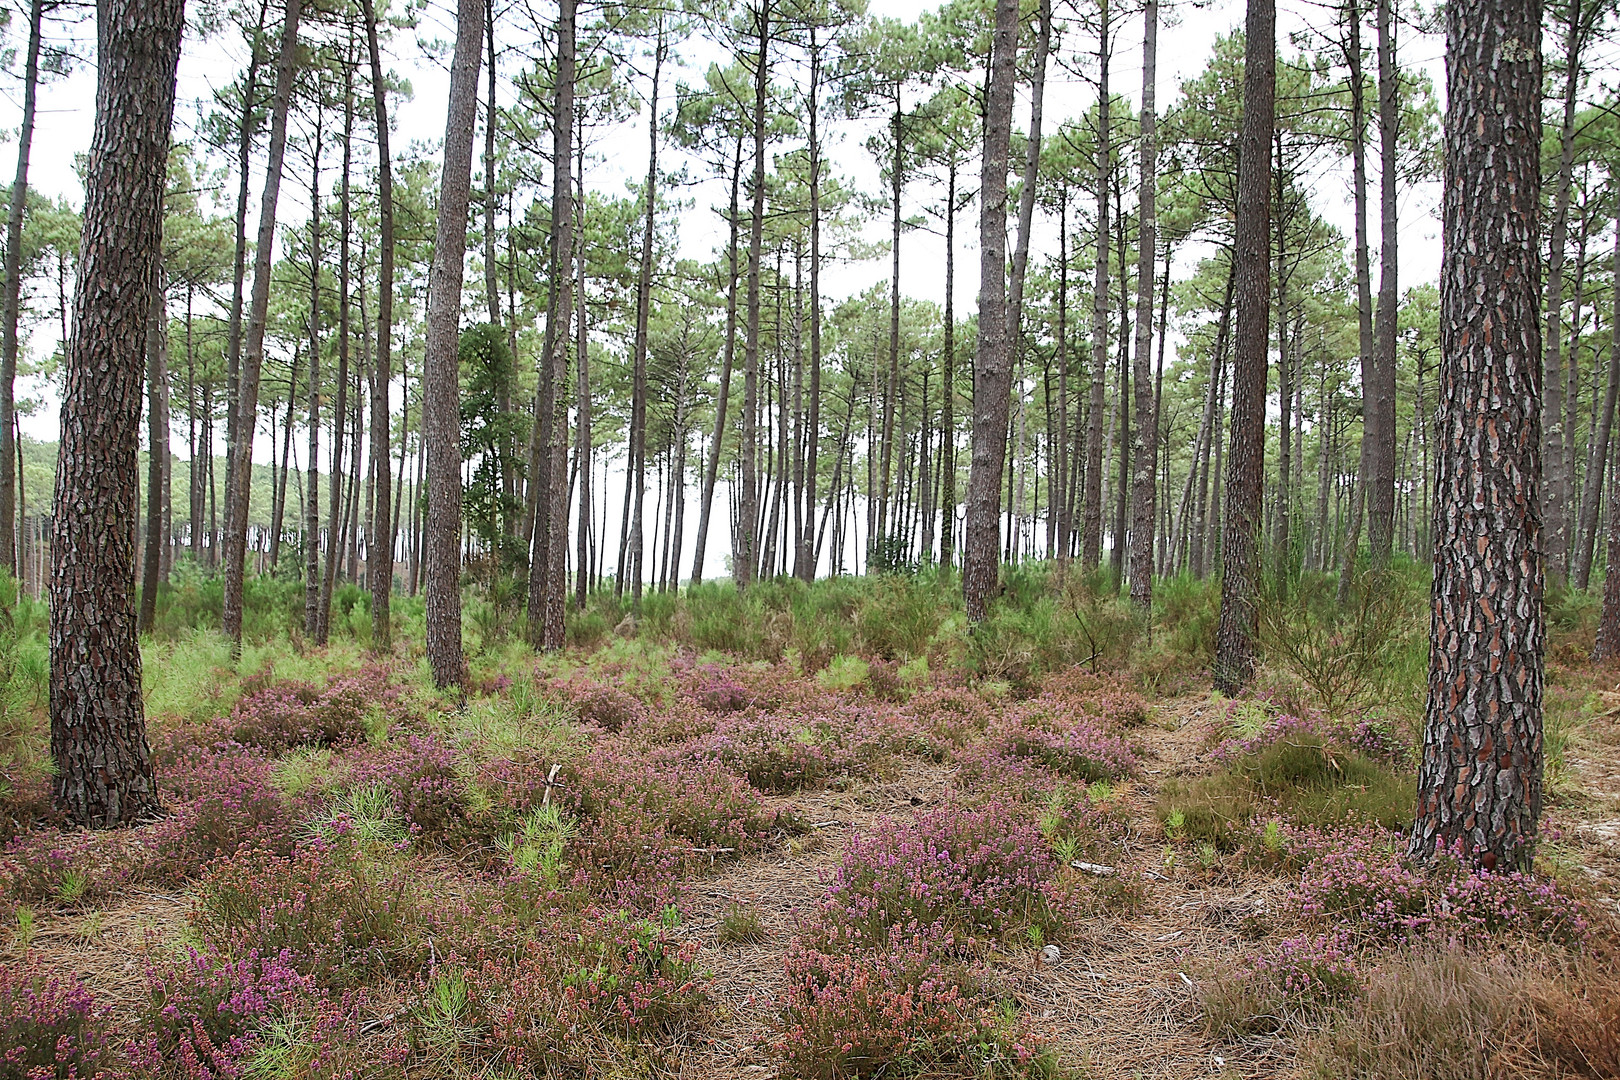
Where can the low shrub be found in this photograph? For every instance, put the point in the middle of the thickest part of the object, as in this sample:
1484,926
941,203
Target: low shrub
50,1027
1303,776
283,714
969,871
904,1010
334,910
1288,985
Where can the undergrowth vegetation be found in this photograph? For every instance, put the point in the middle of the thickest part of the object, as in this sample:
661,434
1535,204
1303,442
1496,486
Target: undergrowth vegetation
378,879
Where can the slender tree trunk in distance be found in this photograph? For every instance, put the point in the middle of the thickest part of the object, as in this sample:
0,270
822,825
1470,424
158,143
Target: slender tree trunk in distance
638,397
1479,781
1245,477
728,351
103,765
992,374
1598,455
1145,448
380,553
157,440
1552,387
1364,303
244,161
541,481
240,465
1381,458
441,414
1091,508
745,553
13,295
1608,637
947,419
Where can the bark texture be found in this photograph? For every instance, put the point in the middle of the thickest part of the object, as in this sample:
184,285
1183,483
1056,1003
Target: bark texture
441,411
1145,446
1479,782
992,374
1245,476
98,723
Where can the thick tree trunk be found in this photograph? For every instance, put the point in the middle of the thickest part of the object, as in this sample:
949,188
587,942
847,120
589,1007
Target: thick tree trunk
1479,782
240,465
103,766
441,414
1245,478
992,374
1145,447
13,295
380,552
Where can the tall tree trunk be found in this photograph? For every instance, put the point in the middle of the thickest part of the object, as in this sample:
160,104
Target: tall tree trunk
745,554
723,394
380,552
1062,503
244,161
1091,509
541,480
278,525
1381,458
1145,448
1598,455
804,557
947,418
240,451
582,430
1607,647
13,295
1364,304
992,374
441,414
157,439
638,395
1245,478
340,413
1479,781
312,484
892,389
1557,540
103,766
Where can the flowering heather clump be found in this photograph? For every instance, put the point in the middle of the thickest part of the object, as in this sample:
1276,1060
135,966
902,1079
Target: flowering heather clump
49,1026
50,866
972,870
608,707
643,823
781,752
903,1009
556,1001
1059,740
286,714
221,799
716,689
334,910
1372,888
203,1012
1377,741
936,722
421,779
1107,699
1297,978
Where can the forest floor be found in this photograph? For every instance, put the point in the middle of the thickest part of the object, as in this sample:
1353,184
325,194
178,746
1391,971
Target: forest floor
1123,995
